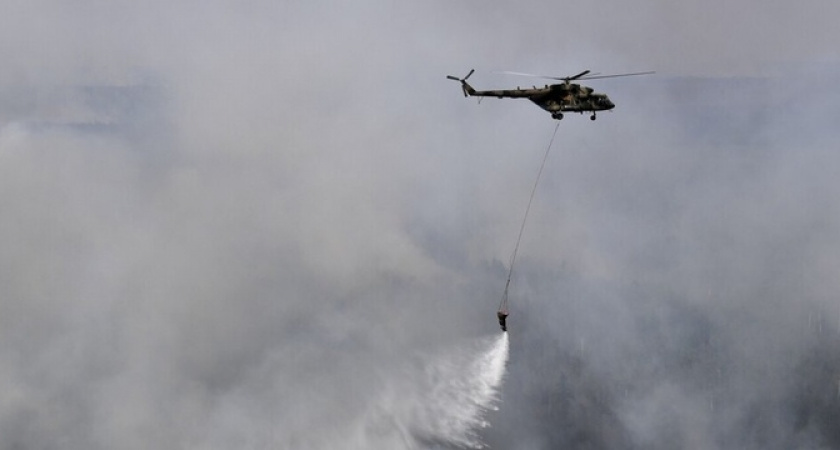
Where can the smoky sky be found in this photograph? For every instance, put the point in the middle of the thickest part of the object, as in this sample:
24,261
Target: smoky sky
232,224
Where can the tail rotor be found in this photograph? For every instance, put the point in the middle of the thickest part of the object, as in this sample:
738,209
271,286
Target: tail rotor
463,81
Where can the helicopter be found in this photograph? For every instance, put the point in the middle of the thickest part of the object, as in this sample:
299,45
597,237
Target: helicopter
554,98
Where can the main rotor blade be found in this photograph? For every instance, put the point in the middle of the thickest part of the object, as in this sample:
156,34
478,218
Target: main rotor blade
453,78
596,77
529,75
577,76
468,75
581,76
546,76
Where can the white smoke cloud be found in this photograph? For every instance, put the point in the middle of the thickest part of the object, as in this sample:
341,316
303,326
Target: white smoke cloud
231,225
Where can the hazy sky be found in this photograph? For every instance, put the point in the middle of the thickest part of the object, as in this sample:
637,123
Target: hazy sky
231,224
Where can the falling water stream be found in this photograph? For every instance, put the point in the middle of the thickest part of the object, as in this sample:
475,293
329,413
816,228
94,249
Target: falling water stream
441,401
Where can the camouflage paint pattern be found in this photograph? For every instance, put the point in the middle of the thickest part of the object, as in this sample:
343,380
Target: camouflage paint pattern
554,98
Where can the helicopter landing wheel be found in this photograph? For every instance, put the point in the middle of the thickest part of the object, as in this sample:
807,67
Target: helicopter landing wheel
592,117
558,116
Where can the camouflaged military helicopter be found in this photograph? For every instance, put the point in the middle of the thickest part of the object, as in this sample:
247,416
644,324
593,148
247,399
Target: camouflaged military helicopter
554,98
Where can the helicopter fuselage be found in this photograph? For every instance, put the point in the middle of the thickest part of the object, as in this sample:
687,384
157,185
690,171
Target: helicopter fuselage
554,98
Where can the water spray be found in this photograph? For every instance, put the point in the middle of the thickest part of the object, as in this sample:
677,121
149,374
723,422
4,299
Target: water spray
441,399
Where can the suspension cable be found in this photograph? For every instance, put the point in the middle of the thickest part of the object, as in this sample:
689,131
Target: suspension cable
503,305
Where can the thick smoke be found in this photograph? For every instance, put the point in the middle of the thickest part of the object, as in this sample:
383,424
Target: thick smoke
248,226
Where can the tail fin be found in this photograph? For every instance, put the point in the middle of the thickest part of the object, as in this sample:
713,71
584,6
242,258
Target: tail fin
465,87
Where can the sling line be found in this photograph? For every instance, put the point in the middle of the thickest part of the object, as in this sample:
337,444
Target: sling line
503,305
